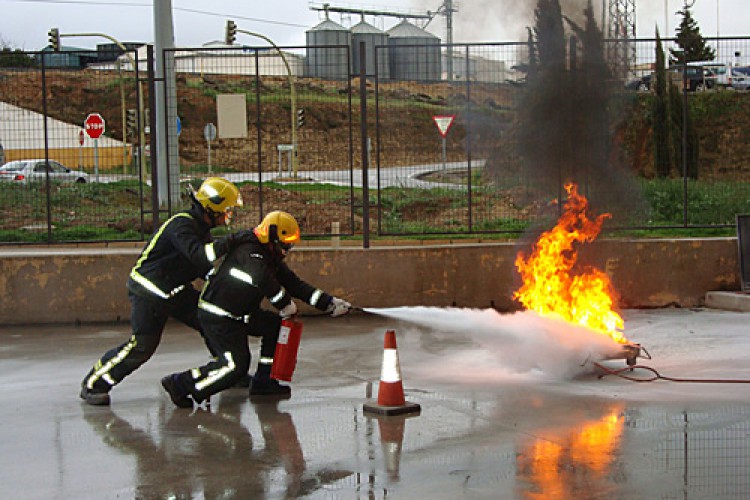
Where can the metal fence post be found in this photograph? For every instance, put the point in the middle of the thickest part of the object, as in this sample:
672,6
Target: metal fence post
259,136
684,142
46,147
467,127
152,137
363,125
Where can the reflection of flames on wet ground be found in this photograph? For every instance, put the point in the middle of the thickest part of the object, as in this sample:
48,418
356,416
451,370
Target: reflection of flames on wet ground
580,461
555,286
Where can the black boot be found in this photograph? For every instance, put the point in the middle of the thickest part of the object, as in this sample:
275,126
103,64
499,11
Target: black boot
94,398
179,397
265,386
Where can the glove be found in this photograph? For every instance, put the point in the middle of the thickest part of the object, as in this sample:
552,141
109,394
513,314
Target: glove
288,311
338,307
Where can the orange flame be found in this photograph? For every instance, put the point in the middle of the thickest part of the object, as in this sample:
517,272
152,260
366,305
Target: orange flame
550,287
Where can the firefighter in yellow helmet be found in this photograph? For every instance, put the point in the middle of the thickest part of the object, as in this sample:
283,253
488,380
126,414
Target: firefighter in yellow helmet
219,198
160,282
230,309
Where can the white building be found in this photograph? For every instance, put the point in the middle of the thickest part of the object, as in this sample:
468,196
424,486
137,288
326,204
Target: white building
219,58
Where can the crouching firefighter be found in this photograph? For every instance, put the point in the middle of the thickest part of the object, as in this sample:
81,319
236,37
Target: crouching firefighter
230,309
160,283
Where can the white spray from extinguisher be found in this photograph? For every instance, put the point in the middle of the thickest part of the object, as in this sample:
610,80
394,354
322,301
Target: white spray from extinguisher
483,345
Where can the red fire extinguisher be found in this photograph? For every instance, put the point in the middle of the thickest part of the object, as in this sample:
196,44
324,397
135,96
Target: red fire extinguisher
285,357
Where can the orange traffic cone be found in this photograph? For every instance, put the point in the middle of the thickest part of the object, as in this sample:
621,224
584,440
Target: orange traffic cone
391,399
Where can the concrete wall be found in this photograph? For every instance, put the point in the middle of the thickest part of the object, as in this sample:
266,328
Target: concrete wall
62,285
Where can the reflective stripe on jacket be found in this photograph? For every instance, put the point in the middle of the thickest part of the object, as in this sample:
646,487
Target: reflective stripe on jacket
249,274
181,251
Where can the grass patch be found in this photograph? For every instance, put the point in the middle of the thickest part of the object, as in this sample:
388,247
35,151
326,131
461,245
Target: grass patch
112,211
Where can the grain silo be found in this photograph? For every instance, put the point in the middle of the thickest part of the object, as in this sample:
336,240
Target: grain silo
327,51
414,54
372,37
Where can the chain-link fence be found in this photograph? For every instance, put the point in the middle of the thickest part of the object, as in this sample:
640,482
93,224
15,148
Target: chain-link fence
700,452
513,136
276,120
407,137
71,170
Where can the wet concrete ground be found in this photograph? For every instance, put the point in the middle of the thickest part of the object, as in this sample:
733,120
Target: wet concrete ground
480,437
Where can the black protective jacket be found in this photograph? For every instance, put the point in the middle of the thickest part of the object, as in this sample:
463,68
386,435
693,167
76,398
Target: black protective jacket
181,251
251,273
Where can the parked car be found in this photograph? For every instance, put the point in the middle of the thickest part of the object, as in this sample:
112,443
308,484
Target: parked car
699,78
722,72
27,171
642,84
741,77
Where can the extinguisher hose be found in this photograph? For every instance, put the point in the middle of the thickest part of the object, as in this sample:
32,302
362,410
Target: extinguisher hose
318,314
656,376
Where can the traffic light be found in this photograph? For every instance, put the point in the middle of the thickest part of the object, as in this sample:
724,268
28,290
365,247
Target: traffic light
300,118
132,121
231,33
54,39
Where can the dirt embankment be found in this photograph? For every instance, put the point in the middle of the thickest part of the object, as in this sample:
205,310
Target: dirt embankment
401,123
331,133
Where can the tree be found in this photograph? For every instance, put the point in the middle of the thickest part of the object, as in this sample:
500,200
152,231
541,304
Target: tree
692,44
563,120
545,110
533,65
590,98
660,114
683,133
550,35
14,58
671,127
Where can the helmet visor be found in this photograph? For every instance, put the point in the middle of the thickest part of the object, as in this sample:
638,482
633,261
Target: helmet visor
289,239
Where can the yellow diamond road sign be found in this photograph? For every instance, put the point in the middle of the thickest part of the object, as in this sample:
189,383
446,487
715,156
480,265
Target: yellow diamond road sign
444,123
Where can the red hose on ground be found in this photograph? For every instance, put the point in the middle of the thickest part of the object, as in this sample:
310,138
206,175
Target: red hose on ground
657,375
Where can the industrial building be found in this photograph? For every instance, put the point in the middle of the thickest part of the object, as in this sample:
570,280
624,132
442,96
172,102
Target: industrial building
404,52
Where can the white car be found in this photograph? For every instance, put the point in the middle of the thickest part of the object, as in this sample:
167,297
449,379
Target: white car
741,78
26,171
722,72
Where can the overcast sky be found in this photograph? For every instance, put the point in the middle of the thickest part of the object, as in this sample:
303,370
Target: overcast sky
25,23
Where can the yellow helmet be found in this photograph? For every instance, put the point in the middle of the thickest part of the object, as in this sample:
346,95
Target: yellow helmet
280,227
218,195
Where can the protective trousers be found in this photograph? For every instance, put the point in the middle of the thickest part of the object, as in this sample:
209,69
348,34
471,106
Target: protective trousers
147,319
228,339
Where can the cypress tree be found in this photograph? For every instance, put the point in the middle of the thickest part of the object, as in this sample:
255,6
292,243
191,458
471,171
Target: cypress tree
661,121
674,97
591,98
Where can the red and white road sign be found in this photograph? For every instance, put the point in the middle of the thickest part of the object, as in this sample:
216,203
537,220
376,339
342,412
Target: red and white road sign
444,123
80,138
94,125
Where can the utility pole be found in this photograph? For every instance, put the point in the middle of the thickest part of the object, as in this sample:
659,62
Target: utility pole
166,116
